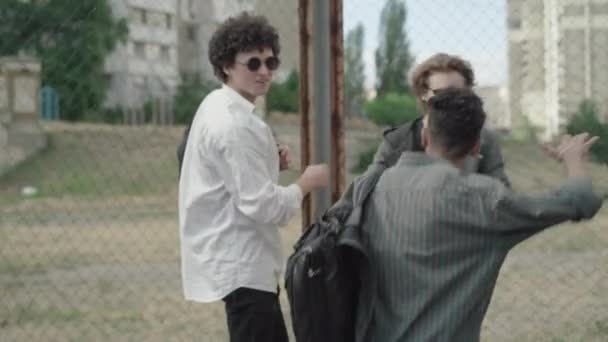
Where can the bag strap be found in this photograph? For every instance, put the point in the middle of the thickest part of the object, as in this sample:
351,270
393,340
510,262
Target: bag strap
363,186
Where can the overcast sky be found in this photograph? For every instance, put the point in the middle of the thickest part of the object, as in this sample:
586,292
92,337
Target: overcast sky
473,29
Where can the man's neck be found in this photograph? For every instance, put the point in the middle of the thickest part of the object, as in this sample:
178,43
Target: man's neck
439,154
245,95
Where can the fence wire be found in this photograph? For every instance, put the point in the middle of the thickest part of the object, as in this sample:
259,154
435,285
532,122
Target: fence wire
94,96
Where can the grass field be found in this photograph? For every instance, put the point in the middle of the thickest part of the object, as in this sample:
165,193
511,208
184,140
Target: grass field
94,255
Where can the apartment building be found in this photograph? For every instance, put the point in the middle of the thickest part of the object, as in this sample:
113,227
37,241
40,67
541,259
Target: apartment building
169,40
199,19
146,66
557,59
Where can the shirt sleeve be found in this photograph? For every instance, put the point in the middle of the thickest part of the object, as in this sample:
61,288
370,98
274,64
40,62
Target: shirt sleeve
519,216
243,158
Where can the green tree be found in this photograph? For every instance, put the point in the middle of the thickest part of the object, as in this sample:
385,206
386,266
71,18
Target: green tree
366,157
586,120
354,71
72,39
392,109
393,58
188,97
285,97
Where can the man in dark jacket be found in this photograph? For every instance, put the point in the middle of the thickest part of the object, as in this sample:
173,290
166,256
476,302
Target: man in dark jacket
439,72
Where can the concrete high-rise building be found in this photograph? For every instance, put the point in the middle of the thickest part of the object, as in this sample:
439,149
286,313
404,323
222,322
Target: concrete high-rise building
199,18
557,59
169,40
145,67
198,21
495,103
284,16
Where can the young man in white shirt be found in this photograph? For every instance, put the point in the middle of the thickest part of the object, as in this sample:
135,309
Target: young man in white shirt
230,205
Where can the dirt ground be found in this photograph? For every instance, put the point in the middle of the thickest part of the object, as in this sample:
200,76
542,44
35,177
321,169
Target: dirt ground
95,257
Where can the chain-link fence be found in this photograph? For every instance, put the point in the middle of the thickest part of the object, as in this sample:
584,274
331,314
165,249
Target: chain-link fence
94,96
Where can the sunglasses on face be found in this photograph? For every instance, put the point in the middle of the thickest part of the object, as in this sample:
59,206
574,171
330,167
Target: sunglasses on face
254,63
438,90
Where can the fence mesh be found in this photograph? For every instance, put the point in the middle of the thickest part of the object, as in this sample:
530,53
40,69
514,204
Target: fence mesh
94,96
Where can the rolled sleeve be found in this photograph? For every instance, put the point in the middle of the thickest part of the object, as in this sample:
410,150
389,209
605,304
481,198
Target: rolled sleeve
293,195
584,200
521,216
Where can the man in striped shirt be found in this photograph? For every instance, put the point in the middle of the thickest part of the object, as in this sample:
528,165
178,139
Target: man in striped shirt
437,235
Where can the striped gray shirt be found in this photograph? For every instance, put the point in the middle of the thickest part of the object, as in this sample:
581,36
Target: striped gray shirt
437,238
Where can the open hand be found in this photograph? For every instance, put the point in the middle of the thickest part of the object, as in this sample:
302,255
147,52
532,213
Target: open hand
571,147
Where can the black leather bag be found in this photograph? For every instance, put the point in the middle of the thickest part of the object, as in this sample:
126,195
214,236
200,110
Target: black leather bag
324,273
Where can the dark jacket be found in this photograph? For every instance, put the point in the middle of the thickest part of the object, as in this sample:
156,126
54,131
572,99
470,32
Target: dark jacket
407,137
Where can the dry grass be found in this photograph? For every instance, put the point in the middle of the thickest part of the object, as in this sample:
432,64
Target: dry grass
98,259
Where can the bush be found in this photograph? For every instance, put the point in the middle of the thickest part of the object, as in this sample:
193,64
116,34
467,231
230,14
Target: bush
586,120
188,97
108,115
392,109
284,96
113,116
365,159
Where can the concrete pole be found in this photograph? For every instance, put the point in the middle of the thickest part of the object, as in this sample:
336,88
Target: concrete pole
321,95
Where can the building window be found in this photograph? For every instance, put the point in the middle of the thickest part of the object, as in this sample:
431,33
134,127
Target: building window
142,16
191,9
599,8
191,33
168,21
574,10
514,23
138,16
139,49
165,53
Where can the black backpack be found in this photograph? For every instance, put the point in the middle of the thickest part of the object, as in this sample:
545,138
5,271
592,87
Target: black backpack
325,272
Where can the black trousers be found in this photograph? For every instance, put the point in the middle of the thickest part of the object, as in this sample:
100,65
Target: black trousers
255,316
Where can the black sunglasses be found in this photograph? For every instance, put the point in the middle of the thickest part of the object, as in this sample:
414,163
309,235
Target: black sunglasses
438,90
254,63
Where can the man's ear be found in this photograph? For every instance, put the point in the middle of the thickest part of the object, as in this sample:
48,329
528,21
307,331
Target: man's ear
476,150
227,71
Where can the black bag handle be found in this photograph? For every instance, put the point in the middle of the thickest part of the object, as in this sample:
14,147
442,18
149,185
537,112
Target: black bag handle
363,186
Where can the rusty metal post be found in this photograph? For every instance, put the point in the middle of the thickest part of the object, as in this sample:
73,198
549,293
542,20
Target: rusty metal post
305,129
338,157
325,98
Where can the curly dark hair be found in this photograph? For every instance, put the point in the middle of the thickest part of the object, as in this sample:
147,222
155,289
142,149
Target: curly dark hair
242,33
456,117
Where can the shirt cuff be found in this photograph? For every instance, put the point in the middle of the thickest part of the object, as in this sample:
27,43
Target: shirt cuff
295,196
586,202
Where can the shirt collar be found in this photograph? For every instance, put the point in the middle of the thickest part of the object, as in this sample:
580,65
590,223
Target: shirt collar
238,99
419,158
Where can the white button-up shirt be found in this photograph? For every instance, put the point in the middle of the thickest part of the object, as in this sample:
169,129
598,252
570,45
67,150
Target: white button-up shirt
230,205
